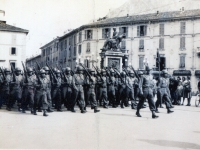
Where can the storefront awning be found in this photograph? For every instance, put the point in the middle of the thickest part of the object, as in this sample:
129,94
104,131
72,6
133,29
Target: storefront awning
182,73
197,73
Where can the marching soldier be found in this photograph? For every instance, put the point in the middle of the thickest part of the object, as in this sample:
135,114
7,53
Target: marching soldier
56,91
111,88
91,96
122,89
67,90
130,90
163,92
117,89
146,93
28,90
78,91
49,99
16,87
6,89
103,89
41,92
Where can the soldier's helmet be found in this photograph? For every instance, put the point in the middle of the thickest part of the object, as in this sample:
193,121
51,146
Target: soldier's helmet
29,69
42,71
123,73
131,72
57,71
67,69
91,70
103,70
147,68
6,70
140,73
46,68
79,68
112,71
17,69
164,72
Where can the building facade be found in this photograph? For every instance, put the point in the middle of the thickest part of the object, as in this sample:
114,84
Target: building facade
176,35
32,61
12,45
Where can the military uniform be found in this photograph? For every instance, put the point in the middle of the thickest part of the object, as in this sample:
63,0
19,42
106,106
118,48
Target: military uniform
122,90
16,90
41,93
103,91
28,92
111,90
130,91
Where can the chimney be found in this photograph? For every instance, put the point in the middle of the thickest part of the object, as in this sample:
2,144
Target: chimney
157,13
127,15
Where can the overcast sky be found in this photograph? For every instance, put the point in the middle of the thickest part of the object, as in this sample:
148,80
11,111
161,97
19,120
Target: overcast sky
46,19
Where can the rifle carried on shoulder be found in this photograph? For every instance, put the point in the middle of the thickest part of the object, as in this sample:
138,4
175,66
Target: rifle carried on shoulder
39,68
88,74
98,73
38,77
137,76
52,73
63,73
3,74
13,73
25,73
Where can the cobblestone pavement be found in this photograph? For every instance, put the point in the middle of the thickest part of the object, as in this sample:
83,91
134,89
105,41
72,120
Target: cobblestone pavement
113,128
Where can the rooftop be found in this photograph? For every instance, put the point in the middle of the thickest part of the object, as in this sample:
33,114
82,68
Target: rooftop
6,27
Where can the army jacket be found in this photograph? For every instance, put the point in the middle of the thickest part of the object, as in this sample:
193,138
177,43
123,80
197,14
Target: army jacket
18,83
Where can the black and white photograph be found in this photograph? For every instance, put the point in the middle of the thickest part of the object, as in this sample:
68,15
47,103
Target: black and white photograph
100,74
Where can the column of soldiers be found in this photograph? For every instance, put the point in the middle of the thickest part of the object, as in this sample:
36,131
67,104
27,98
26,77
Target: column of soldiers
47,88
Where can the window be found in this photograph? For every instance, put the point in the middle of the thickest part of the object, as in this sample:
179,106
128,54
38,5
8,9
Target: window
56,58
43,52
141,62
182,43
70,41
80,37
75,39
123,45
65,59
69,51
141,45
123,30
61,46
13,51
162,29
182,28
88,47
182,61
79,49
74,50
86,63
161,43
65,44
141,30
13,64
106,33
88,34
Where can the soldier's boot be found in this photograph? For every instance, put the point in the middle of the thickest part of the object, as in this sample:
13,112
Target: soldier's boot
133,106
83,111
154,115
59,109
49,110
39,109
34,113
169,111
157,111
45,113
138,113
19,108
73,110
96,110
188,104
23,110
122,105
183,102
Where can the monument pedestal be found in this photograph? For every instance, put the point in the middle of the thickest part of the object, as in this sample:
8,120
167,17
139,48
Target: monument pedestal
116,59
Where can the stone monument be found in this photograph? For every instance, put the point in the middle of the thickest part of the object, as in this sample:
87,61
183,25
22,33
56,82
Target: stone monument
112,55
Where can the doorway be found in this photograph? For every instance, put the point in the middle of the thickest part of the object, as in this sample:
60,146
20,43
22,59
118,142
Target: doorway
162,64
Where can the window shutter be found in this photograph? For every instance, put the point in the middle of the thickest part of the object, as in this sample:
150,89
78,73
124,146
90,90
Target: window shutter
109,32
103,33
120,30
141,65
183,42
126,31
162,41
182,27
161,29
85,34
91,34
145,30
138,30
141,44
123,46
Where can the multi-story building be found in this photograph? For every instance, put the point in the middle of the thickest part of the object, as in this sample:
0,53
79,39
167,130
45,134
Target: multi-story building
32,61
12,44
175,34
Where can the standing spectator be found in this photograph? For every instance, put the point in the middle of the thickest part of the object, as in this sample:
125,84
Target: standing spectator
179,92
187,91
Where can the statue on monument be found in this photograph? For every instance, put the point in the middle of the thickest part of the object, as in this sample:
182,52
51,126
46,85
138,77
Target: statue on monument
113,43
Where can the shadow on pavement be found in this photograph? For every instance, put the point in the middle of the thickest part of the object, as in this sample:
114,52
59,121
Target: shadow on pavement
167,143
